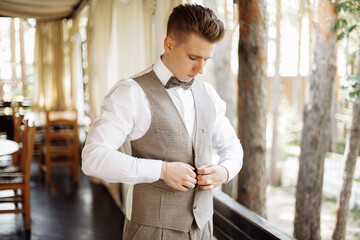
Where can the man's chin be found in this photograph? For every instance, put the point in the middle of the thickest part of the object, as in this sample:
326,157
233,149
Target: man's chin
188,78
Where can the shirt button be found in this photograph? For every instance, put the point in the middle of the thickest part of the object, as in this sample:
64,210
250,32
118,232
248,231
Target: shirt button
194,207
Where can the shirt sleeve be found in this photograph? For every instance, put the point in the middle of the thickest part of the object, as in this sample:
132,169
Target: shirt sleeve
125,114
224,138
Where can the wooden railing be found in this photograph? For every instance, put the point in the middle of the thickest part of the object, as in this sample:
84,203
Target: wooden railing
234,221
231,220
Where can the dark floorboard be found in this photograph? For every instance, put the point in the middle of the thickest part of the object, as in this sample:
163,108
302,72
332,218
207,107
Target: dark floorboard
66,211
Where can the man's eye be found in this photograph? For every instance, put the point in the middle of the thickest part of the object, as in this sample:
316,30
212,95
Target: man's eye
192,58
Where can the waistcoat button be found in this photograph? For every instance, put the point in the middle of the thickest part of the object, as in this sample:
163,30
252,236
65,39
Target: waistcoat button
194,207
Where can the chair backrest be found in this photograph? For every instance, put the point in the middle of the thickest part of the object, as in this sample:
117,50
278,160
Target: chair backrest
61,127
27,149
17,119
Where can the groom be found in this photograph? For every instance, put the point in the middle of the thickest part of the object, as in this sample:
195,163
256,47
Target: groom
172,121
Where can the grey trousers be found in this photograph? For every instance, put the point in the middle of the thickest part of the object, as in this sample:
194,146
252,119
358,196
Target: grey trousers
134,231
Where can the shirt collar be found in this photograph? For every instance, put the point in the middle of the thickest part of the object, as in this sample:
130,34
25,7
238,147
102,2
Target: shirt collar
161,71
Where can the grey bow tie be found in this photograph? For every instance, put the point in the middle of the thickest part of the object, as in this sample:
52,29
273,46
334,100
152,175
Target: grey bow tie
174,82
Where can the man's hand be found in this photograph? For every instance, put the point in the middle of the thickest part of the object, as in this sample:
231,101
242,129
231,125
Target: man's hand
179,176
211,176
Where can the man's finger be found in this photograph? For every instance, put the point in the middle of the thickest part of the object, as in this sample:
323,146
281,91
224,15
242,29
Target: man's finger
203,177
205,182
192,180
207,187
202,171
205,166
191,167
192,174
189,185
207,169
182,189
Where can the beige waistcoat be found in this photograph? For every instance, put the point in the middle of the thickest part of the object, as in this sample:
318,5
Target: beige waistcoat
156,204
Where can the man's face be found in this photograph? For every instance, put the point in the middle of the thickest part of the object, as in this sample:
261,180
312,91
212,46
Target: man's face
186,60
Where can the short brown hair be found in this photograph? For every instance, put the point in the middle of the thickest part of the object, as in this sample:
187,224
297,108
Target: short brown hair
193,18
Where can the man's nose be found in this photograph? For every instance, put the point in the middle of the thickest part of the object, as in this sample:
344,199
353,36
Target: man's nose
199,68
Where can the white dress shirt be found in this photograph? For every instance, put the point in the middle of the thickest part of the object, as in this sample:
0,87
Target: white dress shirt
125,114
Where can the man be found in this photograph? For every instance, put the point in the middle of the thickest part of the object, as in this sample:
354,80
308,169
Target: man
172,125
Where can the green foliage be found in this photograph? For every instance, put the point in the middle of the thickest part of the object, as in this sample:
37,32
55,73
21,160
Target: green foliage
339,146
353,83
352,7
348,6
351,12
330,199
289,131
346,31
340,24
355,213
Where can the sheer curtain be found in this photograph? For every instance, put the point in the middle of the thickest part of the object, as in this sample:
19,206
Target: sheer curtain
58,75
120,44
50,73
125,37
76,71
160,18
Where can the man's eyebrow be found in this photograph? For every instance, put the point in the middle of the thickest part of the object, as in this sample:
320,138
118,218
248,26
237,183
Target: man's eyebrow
197,56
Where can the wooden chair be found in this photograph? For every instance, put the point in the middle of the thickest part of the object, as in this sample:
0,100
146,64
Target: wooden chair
61,146
19,182
17,121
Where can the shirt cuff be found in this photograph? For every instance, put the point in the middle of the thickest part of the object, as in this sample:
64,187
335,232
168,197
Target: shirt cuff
229,166
149,170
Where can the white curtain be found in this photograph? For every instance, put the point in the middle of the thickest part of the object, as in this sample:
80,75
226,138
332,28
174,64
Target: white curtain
51,80
160,18
98,37
124,38
77,91
120,44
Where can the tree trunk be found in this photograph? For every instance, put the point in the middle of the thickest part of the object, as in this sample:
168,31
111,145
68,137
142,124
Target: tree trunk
275,100
351,152
251,103
317,124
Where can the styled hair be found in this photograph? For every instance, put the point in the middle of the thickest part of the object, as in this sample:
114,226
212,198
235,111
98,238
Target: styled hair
192,18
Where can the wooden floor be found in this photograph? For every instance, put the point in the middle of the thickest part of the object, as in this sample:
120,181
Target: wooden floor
66,210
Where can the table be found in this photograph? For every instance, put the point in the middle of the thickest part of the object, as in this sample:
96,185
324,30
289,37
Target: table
8,147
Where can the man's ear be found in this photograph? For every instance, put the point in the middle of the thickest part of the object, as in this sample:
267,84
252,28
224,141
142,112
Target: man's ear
168,43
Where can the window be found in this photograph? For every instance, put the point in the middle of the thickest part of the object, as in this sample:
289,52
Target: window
17,42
